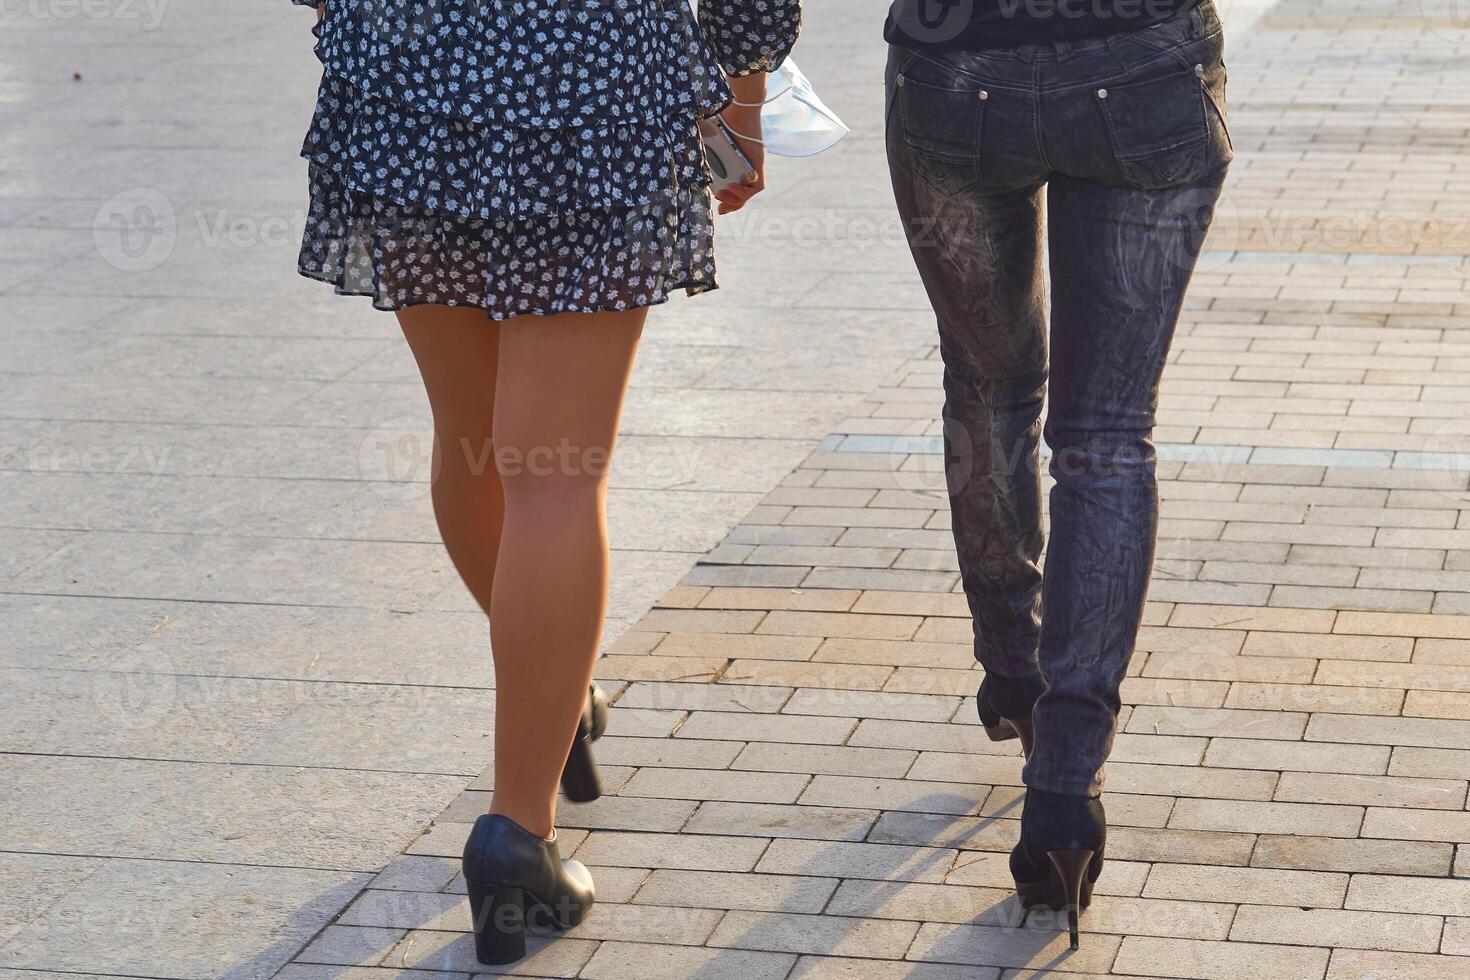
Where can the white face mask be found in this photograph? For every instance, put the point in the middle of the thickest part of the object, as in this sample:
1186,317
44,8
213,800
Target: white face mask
795,121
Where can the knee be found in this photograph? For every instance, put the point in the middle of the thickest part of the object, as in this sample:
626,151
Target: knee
1098,453
553,477
462,453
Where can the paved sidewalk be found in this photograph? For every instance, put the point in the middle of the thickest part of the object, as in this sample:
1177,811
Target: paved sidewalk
238,679
802,790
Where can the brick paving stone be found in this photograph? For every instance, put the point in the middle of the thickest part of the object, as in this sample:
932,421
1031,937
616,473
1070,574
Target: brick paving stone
883,862
1183,846
1010,947
841,760
617,960
1249,816
729,890
781,820
688,852
1389,791
1353,964
715,784
894,794
351,945
1193,958
825,934
1260,886
1313,757
1392,857
1337,928
841,968
1387,893
427,952
795,727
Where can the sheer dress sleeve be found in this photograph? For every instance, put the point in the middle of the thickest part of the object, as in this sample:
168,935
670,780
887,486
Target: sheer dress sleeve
750,36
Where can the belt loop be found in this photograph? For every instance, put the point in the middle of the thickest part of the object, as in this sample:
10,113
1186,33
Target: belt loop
1063,50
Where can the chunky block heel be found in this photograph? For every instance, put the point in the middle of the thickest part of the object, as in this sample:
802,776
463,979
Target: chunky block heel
515,879
1070,867
498,916
580,782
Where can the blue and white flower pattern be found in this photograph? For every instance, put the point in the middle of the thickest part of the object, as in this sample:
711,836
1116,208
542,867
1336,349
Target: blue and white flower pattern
523,156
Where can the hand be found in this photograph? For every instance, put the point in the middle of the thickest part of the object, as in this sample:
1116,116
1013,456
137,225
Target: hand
745,125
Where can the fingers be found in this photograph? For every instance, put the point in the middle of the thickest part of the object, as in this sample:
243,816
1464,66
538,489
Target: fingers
736,196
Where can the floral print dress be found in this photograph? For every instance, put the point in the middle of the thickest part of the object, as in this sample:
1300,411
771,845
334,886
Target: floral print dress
523,156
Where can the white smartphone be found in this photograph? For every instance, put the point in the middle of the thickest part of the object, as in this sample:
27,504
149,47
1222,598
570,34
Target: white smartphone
728,164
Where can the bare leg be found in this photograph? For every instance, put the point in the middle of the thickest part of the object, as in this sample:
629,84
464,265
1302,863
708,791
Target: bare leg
457,354
557,405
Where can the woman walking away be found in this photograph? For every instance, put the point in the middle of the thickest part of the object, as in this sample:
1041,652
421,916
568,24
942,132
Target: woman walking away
519,182
1114,112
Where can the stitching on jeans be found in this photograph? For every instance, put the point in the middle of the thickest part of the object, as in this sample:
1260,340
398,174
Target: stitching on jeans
1046,166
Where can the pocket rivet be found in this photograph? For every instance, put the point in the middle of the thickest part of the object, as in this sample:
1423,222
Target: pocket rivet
899,81
1102,93
984,95
1199,70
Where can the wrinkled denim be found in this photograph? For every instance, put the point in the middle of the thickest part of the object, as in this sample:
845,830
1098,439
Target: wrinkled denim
1126,136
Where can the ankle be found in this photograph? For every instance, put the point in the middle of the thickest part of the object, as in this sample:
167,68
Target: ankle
537,825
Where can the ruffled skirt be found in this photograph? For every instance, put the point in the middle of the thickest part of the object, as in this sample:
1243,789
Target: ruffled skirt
449,166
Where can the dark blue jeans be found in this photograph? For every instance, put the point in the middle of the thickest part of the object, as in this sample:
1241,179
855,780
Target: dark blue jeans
1126,136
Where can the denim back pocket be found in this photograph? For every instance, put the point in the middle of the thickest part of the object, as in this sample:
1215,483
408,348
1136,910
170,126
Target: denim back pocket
1166,125
942,115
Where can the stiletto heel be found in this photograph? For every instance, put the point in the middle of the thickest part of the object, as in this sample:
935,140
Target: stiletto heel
1060,854
579,779
498,917
1071,867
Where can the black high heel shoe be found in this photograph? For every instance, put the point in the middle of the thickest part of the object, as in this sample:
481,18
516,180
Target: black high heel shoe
1005,708
1060,853
515,878
579,780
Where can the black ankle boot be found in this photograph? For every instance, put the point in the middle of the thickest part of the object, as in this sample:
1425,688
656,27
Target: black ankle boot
515,878
1060,853
579,780
1005,708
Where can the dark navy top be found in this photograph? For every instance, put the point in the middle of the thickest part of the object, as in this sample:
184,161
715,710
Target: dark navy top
971,25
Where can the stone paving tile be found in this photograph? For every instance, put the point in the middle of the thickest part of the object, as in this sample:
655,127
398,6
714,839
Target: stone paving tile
644,961
1149,956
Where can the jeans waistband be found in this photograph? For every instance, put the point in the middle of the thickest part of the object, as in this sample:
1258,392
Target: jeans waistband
1199,20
